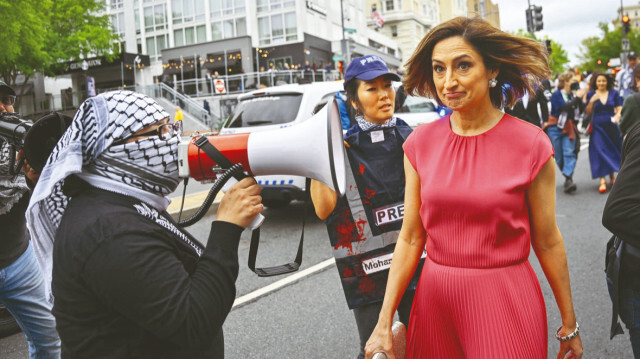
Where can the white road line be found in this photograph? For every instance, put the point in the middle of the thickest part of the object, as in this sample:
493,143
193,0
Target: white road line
283,282
584,146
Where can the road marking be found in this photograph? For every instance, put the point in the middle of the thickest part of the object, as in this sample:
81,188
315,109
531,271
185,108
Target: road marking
281,283
584,146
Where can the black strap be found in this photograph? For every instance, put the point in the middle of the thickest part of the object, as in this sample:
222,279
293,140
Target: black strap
287,268
210,150
614,274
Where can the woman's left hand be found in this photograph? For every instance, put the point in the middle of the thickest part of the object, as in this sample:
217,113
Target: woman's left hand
571,349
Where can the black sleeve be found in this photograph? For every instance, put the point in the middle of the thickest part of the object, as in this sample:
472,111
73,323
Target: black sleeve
544,107
622,211
141,278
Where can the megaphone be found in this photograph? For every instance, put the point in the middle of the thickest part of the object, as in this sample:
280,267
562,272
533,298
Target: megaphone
313,148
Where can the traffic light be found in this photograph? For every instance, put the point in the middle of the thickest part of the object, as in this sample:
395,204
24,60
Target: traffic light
537,18
625,24
340,64
529,13
547,44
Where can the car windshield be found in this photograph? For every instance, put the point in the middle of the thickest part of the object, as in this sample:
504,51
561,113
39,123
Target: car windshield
265,110
417,104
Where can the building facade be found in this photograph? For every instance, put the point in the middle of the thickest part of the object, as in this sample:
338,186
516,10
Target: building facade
186,39
486,10
452,8
406,21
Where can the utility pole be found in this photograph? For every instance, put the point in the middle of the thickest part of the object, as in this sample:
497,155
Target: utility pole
344,40
625,41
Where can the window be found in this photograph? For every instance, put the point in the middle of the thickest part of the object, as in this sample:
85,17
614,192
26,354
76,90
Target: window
155,45
187,11
136,15
189,35
388,5
228,28
117,4
221,8
394,30
118,23
155,18
277,28
271,5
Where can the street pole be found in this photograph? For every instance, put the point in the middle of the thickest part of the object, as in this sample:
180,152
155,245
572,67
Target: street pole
344,40
623,53
122,72
257,69
181,73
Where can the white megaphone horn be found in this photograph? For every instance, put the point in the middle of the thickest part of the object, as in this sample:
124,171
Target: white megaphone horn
313,148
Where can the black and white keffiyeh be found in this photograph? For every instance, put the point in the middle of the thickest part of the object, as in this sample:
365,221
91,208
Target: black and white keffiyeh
145,169
366,125
12,187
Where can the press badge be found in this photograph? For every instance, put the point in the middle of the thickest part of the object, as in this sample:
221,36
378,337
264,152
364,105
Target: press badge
377,136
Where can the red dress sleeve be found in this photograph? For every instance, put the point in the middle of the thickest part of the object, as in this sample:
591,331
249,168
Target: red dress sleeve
409,147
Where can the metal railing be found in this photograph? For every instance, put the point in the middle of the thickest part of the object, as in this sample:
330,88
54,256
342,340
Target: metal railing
186,103
241,83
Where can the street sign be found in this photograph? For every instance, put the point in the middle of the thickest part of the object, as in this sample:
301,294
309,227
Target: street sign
625,44
219,86
337,58
349,30
614,62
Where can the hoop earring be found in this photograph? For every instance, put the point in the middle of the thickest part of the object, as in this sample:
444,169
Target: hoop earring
493,82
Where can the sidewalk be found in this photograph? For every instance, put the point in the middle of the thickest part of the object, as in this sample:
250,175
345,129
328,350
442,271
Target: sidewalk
191,204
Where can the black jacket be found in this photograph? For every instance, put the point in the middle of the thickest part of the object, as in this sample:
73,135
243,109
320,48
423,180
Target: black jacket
622,211
128,284
531,113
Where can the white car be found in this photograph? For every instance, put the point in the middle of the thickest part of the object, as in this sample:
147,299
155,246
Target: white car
274,108
418,110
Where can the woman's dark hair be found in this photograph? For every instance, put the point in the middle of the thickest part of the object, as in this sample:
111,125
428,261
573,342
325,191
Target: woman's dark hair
595,76
351,88
636,77
513,56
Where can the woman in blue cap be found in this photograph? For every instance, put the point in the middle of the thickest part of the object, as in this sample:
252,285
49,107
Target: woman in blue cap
364,224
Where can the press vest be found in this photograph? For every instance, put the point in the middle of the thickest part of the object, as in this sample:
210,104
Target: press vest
364,226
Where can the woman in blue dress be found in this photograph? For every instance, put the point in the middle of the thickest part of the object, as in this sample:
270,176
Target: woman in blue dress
605,142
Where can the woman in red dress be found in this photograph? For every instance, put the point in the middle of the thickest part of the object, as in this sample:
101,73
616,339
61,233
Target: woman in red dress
482,185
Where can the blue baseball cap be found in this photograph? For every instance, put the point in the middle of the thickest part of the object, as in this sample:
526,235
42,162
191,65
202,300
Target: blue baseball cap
368,68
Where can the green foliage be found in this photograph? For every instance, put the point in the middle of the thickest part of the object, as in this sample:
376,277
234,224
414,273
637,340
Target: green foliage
23,37
40,35
606,47
558,58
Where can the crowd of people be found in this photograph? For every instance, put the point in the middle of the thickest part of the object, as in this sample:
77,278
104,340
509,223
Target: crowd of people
104,271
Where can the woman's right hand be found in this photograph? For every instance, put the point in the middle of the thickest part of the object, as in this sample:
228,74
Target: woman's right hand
241,203
380,341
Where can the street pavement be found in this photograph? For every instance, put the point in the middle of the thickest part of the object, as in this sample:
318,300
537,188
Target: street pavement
309,318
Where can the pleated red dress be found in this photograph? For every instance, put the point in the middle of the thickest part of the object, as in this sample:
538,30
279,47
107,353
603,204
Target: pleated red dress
478,296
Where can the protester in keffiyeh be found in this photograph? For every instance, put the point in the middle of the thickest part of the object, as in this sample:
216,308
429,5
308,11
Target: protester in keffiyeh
126,279
84,150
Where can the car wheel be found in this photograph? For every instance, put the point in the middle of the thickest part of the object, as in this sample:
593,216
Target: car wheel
8,324
276,203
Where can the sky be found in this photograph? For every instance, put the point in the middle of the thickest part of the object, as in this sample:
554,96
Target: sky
567,22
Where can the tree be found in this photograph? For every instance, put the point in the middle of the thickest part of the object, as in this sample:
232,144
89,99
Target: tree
23,38
601,49
41,35
558,58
